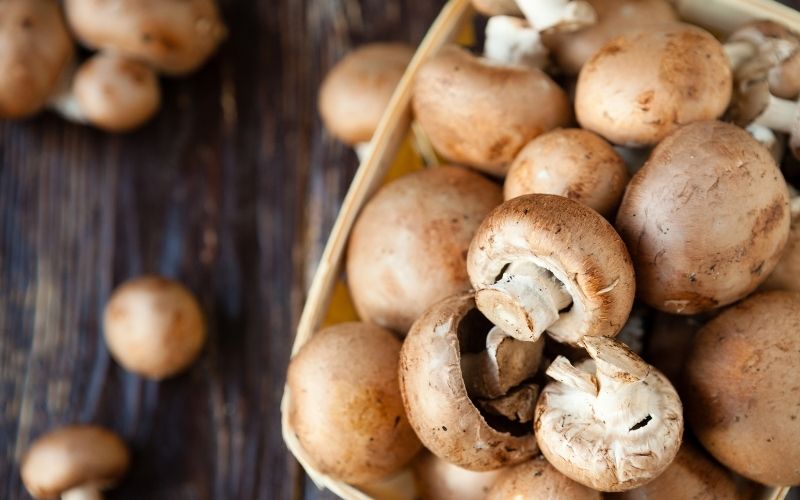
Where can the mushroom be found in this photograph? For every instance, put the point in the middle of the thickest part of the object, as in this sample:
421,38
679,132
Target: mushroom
436,397
779,47
691,475
613,423
614,17
558,15
173,36
437,479
742,387
345,405
153,327
546,263
35,49
574,163
75,462
705,220
537,479
512,41
407,248
497,7
642,86
357,90
481,114
786,275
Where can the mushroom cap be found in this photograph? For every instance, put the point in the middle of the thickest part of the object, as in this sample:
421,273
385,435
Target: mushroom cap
641,86
407,248
574,163
614,17
74,456
153,327
781,47
497,7
357,90
537,479
346,408
481,114
692,475
115,93
173,36
438,479
742,387
439,409
36,49
705,219
576,244
786,272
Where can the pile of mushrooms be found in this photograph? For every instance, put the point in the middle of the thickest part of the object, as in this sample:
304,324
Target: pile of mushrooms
506,280
116,89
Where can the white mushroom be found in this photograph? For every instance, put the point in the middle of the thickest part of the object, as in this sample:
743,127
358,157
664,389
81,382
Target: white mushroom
559,15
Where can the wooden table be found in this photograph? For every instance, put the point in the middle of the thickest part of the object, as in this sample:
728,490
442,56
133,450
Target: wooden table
232,190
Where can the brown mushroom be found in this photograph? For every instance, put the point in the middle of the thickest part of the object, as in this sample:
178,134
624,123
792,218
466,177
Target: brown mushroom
482,114
75,462
345,406
574,163
546,263
153,327
438,479
535,480
786,275
642,86
407,248
173,36
705,220
779,48
742,384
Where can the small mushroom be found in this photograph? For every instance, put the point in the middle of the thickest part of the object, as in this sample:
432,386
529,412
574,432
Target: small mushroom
574,163
407,248
512,41
497,7
173,36
75,462
535,480
642,86
436,397
437,479
705,220
546,263
357,90
786,275
742,387
613,423
345,405
558,15
153,327
481,114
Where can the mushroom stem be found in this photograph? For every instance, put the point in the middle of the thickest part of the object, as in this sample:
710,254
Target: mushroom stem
562,15
525,301
779,115
85,492
738,52
563,371
512,41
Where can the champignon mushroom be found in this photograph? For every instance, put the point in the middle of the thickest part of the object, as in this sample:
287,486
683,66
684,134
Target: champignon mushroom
546,263
742,387
558,15
497,7
512,41
574,163
153,327
357,90
535,480
437,479
173,36
481,114
775,45
407,248
75,462
614,17
436,398
345,405
613,423
35,49
705,220
786,275
640,87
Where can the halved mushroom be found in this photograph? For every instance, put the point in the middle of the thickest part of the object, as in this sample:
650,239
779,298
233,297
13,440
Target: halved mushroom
786,275
574,163
742,387
612,423
439,406
75,462
481,114
546,263
345,405
438,479
705,220
642,86
407,248
535,480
